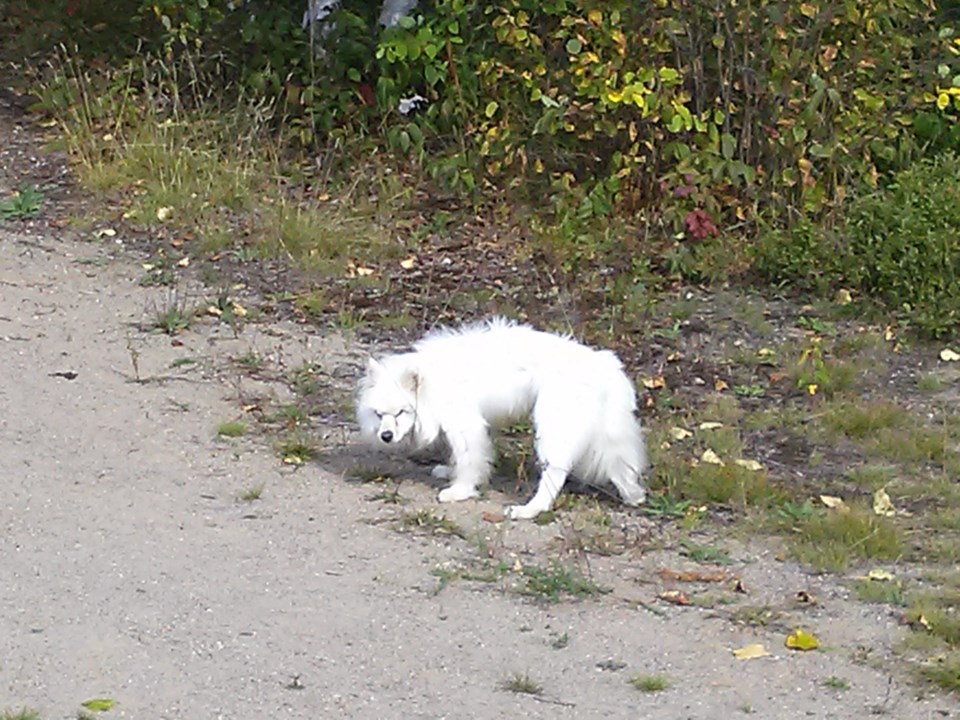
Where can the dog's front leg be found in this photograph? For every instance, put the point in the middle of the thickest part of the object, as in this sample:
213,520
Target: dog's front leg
472,454
551,483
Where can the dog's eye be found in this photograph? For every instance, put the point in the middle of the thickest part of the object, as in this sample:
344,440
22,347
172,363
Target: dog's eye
400,412
378,414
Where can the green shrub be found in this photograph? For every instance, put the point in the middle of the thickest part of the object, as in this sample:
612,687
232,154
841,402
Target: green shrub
903,244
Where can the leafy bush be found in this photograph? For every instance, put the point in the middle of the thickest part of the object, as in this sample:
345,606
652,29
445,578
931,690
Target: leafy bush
899,245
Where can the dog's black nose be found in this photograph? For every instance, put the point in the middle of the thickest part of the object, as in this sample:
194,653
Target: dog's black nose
386,435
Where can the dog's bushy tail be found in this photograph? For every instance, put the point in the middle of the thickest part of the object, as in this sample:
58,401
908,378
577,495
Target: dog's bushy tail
620,449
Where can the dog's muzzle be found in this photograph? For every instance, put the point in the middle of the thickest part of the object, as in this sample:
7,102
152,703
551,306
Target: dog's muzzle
386,436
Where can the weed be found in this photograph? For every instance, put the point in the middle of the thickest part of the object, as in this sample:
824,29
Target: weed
707,554
555,581
22,714
560,641
173,320
522,685
878,591
872,477
816,325
650,683
662,505
930,383
749,390
388,497
831,540
231,429
836,683
860,421
943,672
250,361
755,615
795,512
252,493
425,520
25,204
291,415
295,450
368,474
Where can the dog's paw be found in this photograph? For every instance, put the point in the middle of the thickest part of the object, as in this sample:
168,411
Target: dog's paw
441,472
524,512
455,493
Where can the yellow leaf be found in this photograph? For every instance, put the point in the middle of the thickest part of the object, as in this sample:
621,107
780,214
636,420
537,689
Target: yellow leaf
709,456
674,356
882,504
652,383
948,355
239,310
802,640
408,263
595,16
164,213
943,100
880,575
888,334
749,464
750,652
679,433
720,385
834,503
843,297
808,10
812,389
184,261
214,310
709,425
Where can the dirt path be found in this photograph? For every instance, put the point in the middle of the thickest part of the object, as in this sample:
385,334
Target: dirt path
129,569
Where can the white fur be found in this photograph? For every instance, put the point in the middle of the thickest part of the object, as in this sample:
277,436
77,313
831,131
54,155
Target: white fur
459,382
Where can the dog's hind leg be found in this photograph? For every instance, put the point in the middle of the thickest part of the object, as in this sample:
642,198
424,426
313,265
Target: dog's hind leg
471,456
551,483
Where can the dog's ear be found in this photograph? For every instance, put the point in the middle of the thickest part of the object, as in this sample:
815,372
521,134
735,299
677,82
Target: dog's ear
410,380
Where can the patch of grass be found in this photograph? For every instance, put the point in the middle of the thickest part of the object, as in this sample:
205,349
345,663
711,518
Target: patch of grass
555,581
368,474
649,683
252,493
291,415
872,477
705,554
861,421
486,573
793,513
22,714
930,383
661,505
914,444
832,540
836,683
942,671
431,523
755,615
725,484
560,641
522,684
889,592
231,429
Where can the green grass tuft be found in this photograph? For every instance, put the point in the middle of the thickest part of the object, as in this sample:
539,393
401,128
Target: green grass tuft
832,540
649,683
231,429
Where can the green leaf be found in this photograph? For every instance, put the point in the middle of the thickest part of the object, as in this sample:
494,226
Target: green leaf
98,704
574,46
728,145
491,109
668,75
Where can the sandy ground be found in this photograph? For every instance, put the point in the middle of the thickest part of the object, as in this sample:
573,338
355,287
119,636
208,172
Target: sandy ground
129,569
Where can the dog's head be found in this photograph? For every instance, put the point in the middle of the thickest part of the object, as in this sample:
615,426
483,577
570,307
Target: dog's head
387,404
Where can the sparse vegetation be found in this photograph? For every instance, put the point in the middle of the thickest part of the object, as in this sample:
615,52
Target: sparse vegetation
429,522
255,492
555,581
231,429
831,540
650,683
522,684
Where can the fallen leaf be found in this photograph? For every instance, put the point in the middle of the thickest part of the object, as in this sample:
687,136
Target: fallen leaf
105,232
364,271
679,433
880,575
184,261
164,213
408,263
214,310
492,517
677,597
843,297
98,704
751,652
948,355
709,456
882,504
812,389
709,425
833,502
888,334
239,310
720,385
693,575
749,464
802,640
652,383
674,356
807,597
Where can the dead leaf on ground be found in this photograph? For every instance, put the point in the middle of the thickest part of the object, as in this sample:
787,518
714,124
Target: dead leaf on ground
408,263
676,597
693,575
709,425
720,385
880,575
655,382
679,433
164,213
882,504
492,517
834,503
802,640
709,456
948,355
751,652
749,464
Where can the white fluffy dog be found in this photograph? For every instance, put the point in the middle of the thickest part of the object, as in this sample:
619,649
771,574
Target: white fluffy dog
458,382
